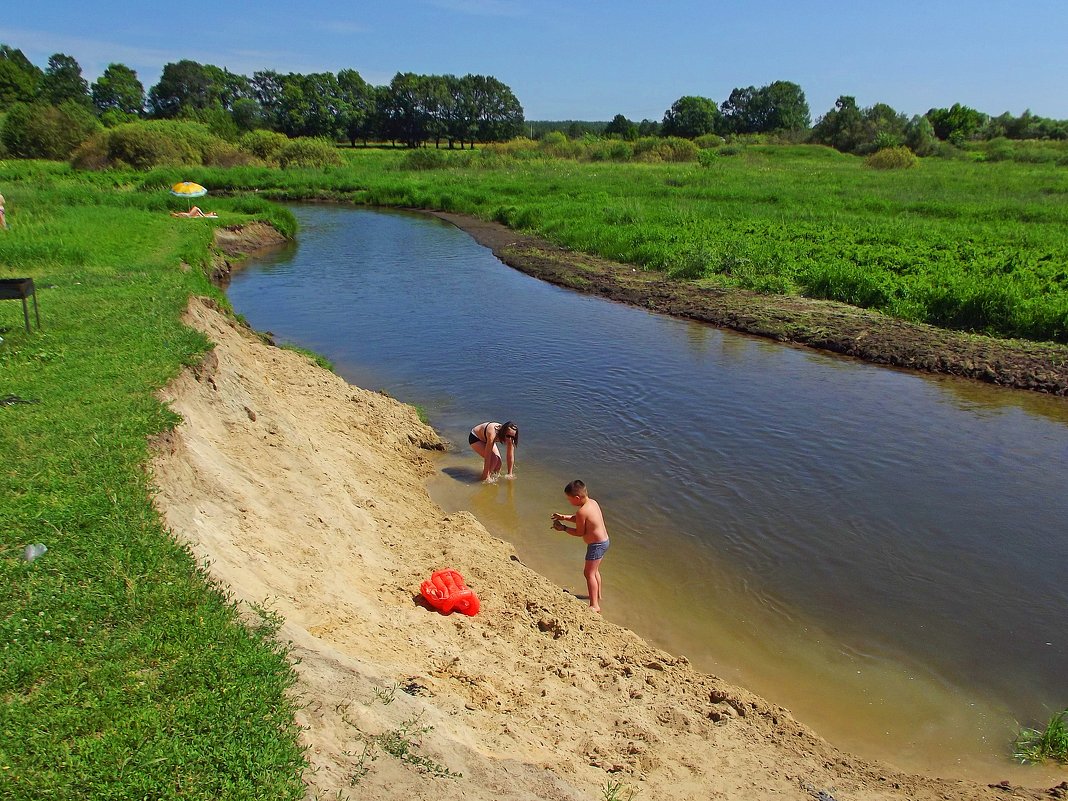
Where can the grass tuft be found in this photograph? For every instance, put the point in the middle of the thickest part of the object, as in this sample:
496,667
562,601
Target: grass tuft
1039,745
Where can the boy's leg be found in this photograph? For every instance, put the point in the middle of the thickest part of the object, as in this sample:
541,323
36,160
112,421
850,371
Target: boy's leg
592,572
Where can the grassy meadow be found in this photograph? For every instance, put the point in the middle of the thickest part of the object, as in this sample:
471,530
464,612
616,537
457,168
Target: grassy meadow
954,243
125,672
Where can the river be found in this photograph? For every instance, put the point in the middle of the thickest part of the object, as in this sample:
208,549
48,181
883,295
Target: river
881,552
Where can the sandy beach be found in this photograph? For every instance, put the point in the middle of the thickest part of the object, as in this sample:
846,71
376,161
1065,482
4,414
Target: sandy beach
306,495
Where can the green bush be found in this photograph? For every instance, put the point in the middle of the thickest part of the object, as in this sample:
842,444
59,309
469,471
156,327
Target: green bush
892,158
556,144
707,141
425,158
156,143
610,150
263,144
309,152
43,131
665,148
999,149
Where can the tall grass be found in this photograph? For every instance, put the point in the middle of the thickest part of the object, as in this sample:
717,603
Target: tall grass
124,673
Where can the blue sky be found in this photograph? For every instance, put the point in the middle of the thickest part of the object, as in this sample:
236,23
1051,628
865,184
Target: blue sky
593,60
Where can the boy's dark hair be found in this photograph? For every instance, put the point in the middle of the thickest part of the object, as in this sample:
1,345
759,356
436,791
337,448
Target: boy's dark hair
575,488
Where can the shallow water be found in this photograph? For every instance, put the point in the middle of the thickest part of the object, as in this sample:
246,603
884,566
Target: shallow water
882,553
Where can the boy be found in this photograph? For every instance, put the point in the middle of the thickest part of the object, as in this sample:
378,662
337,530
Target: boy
589,524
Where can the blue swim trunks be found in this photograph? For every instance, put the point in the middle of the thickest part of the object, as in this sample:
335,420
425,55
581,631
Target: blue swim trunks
595,550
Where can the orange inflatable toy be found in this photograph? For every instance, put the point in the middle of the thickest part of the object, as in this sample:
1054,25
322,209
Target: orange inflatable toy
446,592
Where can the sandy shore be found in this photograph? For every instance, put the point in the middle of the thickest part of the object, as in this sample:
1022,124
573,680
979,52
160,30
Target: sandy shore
308,494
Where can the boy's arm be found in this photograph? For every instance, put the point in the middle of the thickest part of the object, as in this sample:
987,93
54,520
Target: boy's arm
578,519
580,524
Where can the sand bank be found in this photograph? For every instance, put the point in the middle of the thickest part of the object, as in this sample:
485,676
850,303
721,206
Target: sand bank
307,494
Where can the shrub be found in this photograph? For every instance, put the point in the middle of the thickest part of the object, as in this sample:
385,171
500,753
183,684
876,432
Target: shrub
156,143
999,149
518,146
892,158
556,144
264,145
424,158
706,158
707,141
610,150
43,131
134,146
309,152
666,148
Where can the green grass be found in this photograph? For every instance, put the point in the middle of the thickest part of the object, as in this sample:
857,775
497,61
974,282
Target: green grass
1040,745
124,672
954,243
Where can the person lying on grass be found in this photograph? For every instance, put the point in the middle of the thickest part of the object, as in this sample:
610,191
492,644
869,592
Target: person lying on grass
196,211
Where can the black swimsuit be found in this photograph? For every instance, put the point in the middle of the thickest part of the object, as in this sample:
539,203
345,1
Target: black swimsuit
472,438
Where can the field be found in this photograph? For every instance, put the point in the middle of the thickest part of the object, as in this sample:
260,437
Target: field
120,660
957,244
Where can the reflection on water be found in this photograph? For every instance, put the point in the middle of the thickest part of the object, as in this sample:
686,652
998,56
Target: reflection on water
882,553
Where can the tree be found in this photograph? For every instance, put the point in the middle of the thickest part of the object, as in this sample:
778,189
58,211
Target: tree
357,106
183,86
311,105
227,88
500,117
785,106
883,127
779,106
18,77
63,81
739,111
119,89
648,128
957,123
690,117
842,128
920,136
248,115
267,88
623,128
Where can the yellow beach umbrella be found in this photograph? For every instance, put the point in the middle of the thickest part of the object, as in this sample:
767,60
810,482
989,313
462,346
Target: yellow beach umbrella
188,189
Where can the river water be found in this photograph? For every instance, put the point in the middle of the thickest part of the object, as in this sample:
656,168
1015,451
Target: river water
883,553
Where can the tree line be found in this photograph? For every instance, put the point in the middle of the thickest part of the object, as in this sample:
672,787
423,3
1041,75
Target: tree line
781,110
48,112
412,110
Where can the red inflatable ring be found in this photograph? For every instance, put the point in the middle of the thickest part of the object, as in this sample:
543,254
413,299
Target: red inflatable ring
446,592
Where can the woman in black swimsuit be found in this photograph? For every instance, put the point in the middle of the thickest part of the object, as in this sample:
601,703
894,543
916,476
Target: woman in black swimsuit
483,440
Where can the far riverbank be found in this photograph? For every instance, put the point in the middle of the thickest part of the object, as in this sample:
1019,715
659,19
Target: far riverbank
825,325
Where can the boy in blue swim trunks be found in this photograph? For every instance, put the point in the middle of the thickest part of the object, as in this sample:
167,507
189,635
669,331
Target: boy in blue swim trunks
589,524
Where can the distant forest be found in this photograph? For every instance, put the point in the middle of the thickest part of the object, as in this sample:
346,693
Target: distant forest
49,112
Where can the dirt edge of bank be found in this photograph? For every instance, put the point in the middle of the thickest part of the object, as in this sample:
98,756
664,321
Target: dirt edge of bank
825,325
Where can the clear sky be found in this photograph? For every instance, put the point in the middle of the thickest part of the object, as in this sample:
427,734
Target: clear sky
592,60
